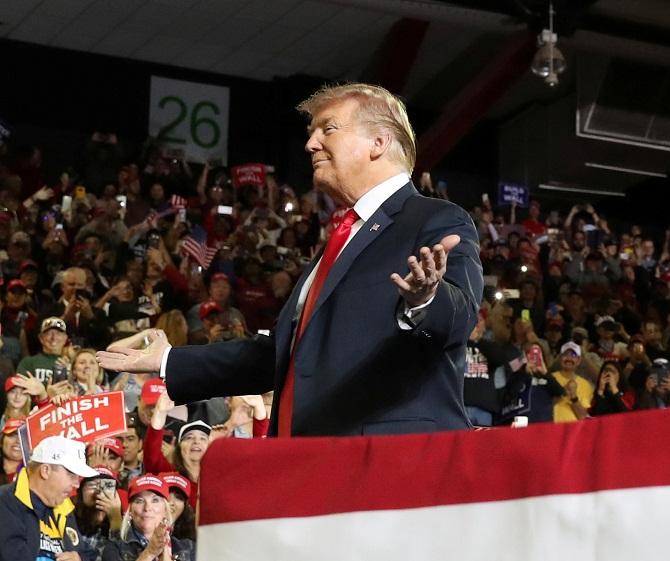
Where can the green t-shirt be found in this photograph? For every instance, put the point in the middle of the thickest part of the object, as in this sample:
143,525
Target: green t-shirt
40,365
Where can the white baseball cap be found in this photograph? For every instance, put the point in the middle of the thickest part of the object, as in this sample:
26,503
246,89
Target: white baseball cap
571,346
65,452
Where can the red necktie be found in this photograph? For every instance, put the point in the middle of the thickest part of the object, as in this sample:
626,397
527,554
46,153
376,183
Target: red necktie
335,244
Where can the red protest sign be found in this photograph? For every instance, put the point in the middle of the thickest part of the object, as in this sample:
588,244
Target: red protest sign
248,174
86,418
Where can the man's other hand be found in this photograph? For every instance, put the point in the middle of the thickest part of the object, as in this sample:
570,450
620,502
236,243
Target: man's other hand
134,360
420,284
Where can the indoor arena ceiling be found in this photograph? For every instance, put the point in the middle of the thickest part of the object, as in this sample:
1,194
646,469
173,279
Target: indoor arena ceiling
428,51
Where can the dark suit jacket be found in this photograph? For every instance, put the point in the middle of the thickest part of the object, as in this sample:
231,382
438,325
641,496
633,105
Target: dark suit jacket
357,372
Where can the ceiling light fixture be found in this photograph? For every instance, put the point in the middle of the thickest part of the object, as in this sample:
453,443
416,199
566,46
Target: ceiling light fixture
549,61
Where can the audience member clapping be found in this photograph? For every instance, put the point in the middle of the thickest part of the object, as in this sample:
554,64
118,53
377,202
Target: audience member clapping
87,377
146,528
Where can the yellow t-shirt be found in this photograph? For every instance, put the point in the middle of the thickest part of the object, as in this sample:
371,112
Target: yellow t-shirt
563,408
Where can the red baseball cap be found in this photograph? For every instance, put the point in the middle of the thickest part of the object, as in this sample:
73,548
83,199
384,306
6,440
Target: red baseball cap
104,471
12,425
152,390
112,444
209,307
219,276
148,482
16,283
10,383
176,480
27,264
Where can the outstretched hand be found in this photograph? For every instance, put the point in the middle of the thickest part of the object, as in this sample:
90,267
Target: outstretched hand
420,284
134,360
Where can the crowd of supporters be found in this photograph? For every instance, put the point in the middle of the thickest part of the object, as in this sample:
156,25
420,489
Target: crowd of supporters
573,323
107,253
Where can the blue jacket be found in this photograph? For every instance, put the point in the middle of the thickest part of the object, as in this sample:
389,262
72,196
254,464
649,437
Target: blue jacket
20,524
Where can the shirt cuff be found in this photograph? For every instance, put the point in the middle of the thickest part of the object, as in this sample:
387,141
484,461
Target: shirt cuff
164,358
408,318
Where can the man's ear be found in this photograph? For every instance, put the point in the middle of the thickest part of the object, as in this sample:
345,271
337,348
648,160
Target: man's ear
45,471
380,144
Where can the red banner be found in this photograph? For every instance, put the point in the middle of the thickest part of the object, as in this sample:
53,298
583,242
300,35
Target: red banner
248,174
86,418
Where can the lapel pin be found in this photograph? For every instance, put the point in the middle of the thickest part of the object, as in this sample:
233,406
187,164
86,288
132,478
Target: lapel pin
374,227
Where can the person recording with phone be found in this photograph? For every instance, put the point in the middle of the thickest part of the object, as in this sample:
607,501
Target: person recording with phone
107,223
86,326
612,394
267,222
98,509
649,379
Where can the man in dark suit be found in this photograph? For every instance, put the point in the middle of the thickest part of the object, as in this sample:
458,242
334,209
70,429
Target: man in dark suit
368,351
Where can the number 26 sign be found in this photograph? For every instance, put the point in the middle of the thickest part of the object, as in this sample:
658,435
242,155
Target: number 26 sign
191,117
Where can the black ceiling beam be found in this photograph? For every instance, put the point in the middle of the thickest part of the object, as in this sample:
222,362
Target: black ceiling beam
461,113
624,29
571,15
393,61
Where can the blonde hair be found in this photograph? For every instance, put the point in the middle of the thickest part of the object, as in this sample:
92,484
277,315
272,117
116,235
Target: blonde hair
23,412
175,327
379,111
127,521
73,378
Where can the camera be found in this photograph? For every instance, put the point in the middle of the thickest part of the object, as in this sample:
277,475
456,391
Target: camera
659,369
59,374
83,293
108,487
154,240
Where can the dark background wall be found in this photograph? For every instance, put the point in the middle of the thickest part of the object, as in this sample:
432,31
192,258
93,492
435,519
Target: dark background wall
56,98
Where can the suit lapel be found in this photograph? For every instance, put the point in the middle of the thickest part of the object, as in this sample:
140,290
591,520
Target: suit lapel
369,231
285,321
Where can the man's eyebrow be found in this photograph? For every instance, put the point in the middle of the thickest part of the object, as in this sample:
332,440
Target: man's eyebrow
320,123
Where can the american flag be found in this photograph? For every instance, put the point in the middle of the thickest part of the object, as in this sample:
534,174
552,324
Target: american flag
195,246
177,202
497,494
